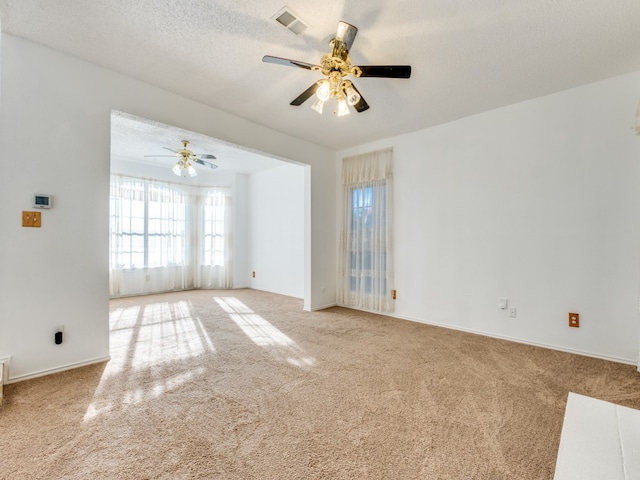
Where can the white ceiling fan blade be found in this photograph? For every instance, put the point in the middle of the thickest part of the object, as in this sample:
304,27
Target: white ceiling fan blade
206,164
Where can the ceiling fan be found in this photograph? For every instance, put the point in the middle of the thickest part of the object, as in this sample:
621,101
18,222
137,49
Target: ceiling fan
336,65
186,158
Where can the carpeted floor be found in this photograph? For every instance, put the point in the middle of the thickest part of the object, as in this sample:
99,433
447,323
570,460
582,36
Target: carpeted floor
245,385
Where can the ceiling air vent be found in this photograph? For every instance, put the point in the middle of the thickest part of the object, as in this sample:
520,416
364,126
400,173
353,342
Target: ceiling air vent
290,20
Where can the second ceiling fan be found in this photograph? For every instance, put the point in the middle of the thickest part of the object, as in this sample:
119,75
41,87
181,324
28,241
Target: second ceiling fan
186,158
336,65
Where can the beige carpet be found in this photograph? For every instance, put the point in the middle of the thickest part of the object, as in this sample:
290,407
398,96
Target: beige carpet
245,385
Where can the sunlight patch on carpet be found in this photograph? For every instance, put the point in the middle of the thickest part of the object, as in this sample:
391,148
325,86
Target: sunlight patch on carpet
263,333
140,394
144,339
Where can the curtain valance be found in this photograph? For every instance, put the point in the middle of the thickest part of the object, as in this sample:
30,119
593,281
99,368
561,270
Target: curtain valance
367,167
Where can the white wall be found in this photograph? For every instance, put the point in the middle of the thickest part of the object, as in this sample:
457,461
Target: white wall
538,202
276,230
54,138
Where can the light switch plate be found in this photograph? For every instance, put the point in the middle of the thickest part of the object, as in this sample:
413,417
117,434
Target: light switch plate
27,219
31,219
37,219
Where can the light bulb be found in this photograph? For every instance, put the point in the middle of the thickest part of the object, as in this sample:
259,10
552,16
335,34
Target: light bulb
192,171
353,96
324,91
341,108
177,169
317,106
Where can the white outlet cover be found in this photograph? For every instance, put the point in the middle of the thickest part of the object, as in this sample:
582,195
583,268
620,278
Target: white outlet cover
512,312
502,303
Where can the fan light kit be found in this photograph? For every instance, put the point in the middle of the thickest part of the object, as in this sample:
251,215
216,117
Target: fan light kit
335,66
186,159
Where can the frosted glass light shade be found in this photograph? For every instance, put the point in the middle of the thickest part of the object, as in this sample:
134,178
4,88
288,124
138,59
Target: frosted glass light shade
324,91
317,106
353,97
342,108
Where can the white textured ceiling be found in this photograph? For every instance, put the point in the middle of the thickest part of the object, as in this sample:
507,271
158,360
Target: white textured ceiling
144,141
468,56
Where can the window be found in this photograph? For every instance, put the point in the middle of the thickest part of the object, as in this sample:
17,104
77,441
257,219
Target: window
368,251
213,228
167,237
148,225
365,247
128,244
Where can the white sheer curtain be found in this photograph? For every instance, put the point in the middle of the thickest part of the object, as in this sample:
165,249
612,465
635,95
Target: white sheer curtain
365,259
150,239
216,251
162,235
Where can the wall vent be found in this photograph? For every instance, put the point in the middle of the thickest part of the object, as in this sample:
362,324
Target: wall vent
290,20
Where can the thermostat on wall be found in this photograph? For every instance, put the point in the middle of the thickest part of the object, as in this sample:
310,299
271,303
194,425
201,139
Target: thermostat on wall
41,200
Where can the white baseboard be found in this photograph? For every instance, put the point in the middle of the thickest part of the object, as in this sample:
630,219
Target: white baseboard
321,307
627,361
62,368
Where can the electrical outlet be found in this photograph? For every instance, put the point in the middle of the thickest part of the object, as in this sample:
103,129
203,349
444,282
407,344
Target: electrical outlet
253,274
574,320
502,303
58,334
512,312
393,294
